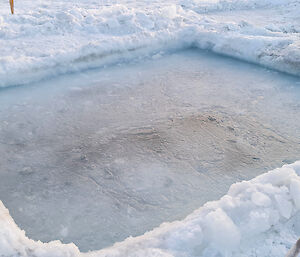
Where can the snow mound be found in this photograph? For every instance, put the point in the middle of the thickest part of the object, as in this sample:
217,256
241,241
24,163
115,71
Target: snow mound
44,39
260,217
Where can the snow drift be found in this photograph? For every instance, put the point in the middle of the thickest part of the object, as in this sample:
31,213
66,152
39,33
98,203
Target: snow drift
259,217
45,38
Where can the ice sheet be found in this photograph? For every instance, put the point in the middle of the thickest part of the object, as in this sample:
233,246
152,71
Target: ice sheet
95,157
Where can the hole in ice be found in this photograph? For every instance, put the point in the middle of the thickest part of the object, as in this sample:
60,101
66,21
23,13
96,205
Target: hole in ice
96,157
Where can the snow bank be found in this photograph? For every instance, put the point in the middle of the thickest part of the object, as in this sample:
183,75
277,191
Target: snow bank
204,6
47,38
260,217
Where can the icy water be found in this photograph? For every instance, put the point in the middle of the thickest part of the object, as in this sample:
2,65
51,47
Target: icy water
95,157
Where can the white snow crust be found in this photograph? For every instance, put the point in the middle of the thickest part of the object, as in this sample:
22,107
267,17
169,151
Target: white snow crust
259,217
47,38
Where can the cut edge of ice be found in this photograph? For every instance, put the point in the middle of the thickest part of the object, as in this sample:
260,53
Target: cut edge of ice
260,51
260,216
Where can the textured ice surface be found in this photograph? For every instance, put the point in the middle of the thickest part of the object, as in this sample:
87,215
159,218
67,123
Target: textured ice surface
95,157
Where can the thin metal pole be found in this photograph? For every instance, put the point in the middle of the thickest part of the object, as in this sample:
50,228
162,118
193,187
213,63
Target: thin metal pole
11,6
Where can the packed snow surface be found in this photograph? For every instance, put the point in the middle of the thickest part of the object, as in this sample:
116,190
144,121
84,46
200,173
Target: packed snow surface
262,212
46,38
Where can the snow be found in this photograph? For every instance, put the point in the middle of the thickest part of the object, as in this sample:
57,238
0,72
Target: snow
46,39
260,199
263,212
295,192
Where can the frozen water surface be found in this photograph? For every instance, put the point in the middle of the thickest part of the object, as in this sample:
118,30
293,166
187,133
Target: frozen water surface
95,157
